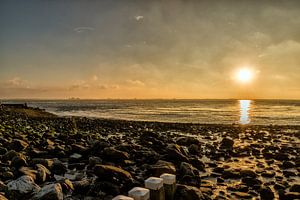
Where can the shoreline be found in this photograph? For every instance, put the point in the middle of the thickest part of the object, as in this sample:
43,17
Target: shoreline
101,158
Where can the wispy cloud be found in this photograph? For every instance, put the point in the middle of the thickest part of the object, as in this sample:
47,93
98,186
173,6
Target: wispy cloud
83,29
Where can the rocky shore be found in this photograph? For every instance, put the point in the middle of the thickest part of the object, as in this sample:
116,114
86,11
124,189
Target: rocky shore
43,156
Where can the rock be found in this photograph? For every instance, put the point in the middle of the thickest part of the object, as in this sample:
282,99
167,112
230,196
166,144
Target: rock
186,141
188,169
10,154
3,197
174,153
108,172
50,192
287,164
113,154
268,174
266,193
295,188
242,195
77,148
58,167
196,162
82,186
3,187
3,150
19,161
251,181
104,187
8,175
248,173
162,167
227,143
184,192
27,171
230,174
42,173
18,145
194,149
22,187
48,163
289,196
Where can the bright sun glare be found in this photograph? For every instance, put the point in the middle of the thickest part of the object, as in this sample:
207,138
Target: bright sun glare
244,75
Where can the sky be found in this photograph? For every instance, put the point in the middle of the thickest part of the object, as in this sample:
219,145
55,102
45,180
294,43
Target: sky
57,49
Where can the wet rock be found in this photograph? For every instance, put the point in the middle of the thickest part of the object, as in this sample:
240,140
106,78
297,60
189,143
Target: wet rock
248,173
287,164
58,167
10,154
196,162
242,195
18,145
162,167
22,187
82,186
27,171
184,192
3,150
251,181
50,192
108,172
174,153
295,188
266,193
42,173
188,169
230,174
227,143
19,161
186,141
289,195
67,185
194,149
3,197
111,153
268,174
48,163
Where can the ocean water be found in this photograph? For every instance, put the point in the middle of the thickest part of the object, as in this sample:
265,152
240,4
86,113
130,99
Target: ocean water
265,112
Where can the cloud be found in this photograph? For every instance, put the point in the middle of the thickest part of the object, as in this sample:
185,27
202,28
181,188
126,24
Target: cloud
83,29
16,82
139,17
135,82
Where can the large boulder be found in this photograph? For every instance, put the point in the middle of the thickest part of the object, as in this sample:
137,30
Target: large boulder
184,192
109,172
50,192
22,187
162,167
113,154
227,143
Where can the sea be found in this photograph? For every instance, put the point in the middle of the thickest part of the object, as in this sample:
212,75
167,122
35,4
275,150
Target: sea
256,112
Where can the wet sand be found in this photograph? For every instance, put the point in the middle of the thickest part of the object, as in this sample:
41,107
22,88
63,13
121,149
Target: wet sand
45,156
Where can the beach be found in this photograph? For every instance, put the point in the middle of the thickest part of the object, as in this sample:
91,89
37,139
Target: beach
44,156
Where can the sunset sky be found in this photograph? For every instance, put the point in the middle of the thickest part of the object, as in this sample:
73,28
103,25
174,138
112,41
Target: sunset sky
149,49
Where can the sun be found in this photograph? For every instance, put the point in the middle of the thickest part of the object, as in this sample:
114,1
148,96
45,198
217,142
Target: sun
244,75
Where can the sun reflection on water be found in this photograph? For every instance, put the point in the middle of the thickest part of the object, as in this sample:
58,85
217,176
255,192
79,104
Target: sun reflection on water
245,106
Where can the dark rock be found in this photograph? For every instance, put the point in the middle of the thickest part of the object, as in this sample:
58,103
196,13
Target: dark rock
82,186
58,167
108,172
251,181
289,196
242,195
194,149
186,141
10,154
162,167
22,188
188,169
295,188
18,145
196,162
266,193
248,173
111,153
3,150
268,174
50,192
287,164
227,143
19,161
42,173
175,154
184,192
